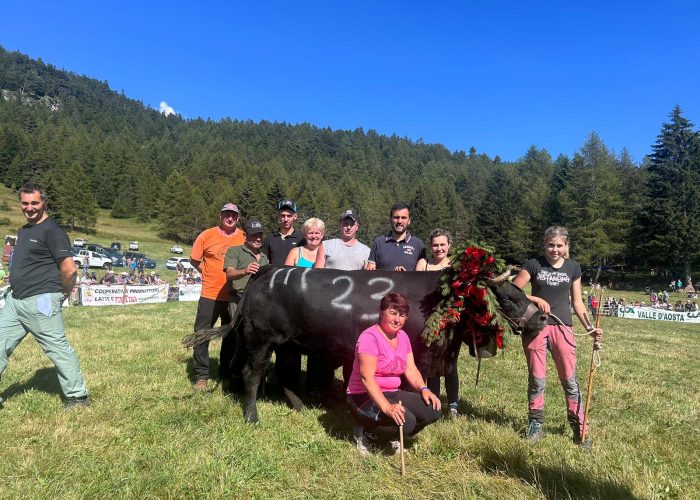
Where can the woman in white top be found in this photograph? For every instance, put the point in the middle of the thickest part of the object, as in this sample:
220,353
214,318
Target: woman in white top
440,242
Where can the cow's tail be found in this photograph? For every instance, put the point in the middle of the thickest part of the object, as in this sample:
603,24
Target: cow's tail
199,337
194,339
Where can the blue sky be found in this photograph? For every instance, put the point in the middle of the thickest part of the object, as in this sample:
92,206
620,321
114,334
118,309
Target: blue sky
499,76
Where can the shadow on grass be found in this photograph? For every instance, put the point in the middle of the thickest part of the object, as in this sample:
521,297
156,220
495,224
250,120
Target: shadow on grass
213,368
500,417
552,482
44,380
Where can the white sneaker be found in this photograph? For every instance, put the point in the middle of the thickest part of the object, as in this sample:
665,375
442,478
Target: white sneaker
358,432
396,446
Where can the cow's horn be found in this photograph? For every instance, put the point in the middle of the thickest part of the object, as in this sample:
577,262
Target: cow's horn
494,282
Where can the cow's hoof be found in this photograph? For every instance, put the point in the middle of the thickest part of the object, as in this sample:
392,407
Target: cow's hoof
251,417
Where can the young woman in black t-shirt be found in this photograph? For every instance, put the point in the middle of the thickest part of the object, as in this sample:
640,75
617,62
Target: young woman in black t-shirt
556,287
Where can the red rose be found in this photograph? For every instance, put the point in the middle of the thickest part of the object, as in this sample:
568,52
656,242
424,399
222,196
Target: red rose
459,303
476,252
483,319
499,339
489,260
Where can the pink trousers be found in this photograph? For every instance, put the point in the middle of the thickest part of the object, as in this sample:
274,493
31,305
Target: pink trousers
560,341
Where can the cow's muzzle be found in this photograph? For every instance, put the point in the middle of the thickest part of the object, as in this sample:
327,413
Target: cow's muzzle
518,324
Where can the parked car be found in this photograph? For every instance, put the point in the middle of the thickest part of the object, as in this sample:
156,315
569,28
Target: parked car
176,249
148,263
95,247
116,245
173,261
95,259
117,258
134,245
79,242
115,255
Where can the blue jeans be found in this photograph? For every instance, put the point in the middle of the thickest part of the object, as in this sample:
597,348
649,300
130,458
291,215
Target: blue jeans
41,315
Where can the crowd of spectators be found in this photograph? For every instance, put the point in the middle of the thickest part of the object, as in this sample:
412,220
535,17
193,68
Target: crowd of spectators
133,277
188,277
123,278
660,300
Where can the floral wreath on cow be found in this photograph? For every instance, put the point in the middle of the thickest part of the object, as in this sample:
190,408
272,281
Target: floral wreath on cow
467,296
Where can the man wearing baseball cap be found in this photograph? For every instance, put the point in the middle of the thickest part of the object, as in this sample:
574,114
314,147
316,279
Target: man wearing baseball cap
240,264
346,252
278,244
207,258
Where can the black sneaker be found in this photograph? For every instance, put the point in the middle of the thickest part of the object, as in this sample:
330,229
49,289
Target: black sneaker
74,402
535,430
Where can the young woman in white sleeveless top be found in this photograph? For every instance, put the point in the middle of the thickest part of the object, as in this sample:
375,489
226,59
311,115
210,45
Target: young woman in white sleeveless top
440,243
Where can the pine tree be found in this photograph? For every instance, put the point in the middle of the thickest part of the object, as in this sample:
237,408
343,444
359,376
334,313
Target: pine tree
592,205
70,200
183,213
500,222
669,224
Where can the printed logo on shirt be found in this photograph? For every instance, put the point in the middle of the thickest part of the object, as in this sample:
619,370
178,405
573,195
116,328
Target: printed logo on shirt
408,250
395,367
553,278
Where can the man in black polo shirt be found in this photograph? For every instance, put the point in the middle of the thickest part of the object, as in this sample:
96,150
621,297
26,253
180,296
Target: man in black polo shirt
398,250
278,244
42,276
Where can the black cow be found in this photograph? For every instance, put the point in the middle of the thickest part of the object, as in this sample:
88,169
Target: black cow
323,312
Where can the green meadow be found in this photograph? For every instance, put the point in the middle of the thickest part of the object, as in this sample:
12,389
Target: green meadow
148,435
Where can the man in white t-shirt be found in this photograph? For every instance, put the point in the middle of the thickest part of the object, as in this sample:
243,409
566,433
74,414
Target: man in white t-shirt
346,252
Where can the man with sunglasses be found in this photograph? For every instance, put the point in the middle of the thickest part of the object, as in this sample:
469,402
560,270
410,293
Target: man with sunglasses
207,257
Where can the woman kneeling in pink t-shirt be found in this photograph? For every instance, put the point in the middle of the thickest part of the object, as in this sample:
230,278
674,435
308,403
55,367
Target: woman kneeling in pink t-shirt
382,355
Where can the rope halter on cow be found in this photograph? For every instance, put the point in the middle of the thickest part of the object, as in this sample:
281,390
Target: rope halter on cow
518,324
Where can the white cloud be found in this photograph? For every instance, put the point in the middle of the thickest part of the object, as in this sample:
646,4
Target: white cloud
165,109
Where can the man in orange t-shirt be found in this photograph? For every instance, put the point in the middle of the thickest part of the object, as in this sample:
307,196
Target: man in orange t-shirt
207,257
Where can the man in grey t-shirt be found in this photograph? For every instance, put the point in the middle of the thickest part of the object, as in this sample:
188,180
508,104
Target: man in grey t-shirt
346,252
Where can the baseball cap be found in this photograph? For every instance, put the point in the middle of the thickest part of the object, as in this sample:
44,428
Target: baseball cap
230,207
288,205
349,213
253,227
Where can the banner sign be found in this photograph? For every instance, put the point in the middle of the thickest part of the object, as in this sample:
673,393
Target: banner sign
189,293
657,314
110,295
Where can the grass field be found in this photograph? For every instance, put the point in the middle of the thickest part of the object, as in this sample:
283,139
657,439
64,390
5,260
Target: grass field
148,435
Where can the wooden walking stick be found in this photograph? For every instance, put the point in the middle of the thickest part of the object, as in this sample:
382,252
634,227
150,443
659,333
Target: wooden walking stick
403,464
591,371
